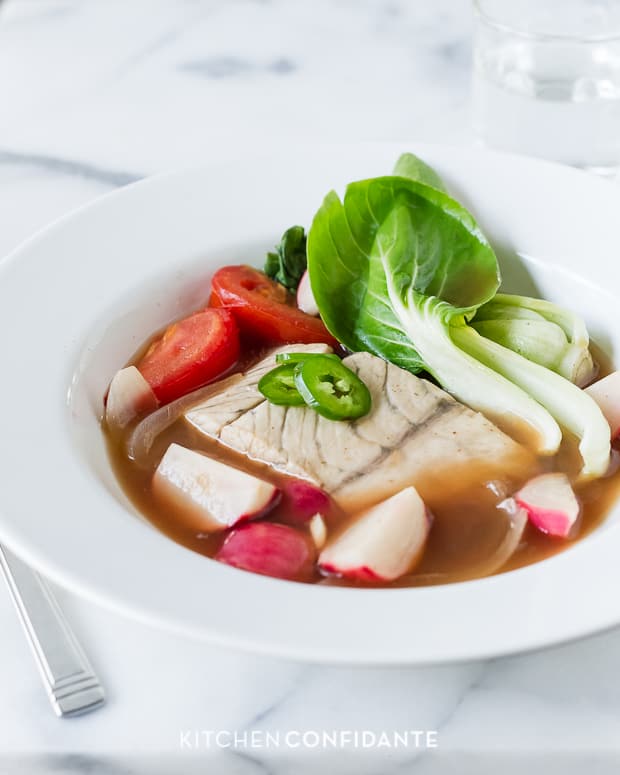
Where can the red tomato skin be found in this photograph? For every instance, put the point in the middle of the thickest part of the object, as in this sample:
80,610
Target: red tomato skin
191,353
264,309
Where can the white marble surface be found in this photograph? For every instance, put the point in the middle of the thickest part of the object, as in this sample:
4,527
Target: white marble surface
95,94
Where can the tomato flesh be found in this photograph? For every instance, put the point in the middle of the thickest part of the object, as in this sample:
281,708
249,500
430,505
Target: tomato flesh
264,309
191,353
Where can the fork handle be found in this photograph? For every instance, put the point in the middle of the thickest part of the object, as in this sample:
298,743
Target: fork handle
70,681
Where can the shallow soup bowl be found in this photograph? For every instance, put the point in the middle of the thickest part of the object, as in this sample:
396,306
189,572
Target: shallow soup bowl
79,298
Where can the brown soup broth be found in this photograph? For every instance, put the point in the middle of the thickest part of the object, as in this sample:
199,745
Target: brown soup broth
465,530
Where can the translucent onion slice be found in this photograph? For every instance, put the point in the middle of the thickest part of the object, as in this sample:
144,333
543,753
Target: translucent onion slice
496,561
512,539
143,436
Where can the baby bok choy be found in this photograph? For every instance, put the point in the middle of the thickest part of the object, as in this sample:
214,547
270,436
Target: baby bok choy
541,331
398,268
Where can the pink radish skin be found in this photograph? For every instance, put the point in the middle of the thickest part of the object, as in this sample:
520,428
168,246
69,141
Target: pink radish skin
305,298
210,495
269,549
383,543
551,505
606,393
355,574
129,396
301,501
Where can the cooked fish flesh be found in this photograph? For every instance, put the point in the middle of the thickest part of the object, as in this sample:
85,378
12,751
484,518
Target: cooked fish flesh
416,434
240,393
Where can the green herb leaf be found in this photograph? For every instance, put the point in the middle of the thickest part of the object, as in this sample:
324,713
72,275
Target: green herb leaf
289,262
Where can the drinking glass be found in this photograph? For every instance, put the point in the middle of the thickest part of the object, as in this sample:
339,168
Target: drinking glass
547,79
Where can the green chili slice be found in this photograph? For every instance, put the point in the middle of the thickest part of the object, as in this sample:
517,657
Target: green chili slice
332,389
300,357
279,387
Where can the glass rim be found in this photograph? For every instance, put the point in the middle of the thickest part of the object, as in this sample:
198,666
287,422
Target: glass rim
498,24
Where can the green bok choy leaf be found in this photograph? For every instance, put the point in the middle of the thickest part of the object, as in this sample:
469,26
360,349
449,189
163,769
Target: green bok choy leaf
411,166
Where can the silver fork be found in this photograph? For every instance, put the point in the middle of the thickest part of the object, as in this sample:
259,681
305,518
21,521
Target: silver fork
70,681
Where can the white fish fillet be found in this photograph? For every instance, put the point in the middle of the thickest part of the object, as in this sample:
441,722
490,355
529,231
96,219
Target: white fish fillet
416,434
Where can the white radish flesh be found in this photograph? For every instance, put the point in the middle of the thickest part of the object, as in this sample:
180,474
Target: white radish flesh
383,543
606,393
318,531
305,298
129,396
210,495
551,504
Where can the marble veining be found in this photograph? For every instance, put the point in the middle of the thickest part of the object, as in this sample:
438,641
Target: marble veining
70,168
97,95
233,67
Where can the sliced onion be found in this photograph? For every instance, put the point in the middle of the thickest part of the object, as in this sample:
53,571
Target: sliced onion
506,548
143,436
510,542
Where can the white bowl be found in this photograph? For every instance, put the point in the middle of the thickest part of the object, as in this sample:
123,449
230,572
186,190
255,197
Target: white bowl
76,301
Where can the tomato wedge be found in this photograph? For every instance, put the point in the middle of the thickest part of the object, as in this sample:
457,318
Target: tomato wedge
264,309
191,353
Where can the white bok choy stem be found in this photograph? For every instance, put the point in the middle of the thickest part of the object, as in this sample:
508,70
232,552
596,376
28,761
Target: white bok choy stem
573,408
425,319
573,359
